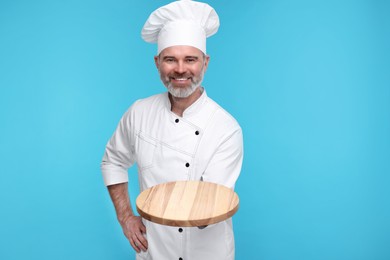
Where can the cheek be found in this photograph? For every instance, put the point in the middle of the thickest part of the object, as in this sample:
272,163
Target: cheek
198,72
164,70
199,69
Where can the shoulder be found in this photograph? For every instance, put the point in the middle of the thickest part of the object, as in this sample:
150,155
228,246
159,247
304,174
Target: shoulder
148,104
142,108
222,117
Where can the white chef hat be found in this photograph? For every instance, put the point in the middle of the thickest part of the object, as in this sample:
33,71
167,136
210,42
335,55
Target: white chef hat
182,22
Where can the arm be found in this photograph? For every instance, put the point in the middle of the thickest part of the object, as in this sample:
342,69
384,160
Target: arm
225,164
132,225
118,157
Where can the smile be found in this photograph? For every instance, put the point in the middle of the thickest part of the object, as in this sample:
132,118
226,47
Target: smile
180,79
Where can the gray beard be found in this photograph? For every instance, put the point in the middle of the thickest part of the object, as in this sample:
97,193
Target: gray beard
183,92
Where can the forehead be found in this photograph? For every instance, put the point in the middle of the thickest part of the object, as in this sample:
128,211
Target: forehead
181,51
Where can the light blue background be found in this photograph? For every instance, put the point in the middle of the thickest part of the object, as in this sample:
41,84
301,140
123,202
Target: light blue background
309,82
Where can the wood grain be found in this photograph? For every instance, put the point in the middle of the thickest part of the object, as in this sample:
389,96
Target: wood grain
187,203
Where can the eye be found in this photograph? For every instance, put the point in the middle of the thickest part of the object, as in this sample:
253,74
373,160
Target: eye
169,60
191,60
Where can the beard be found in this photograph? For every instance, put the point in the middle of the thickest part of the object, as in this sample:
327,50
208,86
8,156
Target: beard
182,92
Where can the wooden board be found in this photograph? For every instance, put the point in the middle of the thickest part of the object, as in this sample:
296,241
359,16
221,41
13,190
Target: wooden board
187,203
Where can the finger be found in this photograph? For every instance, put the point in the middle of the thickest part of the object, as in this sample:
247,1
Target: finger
142,237
141,242
134,245
143,228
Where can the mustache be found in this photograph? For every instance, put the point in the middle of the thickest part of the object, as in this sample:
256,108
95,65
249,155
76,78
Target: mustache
180,75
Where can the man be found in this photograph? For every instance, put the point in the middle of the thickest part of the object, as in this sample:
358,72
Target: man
179,135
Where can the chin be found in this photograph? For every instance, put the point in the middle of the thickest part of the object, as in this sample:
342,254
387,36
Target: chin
181,92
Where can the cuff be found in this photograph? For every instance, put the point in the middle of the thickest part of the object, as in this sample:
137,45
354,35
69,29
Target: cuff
114,175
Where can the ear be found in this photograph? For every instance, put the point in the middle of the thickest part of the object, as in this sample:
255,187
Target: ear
206,62
156,61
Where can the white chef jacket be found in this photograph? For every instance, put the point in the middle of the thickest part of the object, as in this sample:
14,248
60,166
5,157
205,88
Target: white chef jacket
205,143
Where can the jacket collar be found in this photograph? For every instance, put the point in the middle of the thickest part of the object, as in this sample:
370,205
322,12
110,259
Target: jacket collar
194,108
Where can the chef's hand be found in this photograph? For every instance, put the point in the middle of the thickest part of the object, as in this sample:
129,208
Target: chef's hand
134,230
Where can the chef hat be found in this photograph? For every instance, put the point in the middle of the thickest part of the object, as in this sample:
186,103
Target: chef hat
182,22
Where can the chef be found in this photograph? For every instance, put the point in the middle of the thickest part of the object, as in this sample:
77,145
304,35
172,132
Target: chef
178,135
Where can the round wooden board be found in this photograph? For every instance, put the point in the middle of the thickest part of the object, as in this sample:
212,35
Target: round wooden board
187,203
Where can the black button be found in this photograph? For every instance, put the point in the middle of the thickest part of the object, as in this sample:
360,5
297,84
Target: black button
187,165
177,120
197,132
180,230
180,258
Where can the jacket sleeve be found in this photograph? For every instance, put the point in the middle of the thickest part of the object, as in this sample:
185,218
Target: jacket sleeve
225,165
119,154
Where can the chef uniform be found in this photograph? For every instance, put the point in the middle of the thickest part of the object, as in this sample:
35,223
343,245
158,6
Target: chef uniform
205,143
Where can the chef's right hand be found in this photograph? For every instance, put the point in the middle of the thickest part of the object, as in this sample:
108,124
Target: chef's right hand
134,230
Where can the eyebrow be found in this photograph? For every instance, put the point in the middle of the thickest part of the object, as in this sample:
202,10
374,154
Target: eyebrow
167,57
186,57
192,57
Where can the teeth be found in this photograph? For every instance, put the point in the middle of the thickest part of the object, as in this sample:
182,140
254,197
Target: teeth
180,79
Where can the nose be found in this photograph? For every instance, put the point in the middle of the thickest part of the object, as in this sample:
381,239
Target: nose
180,67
